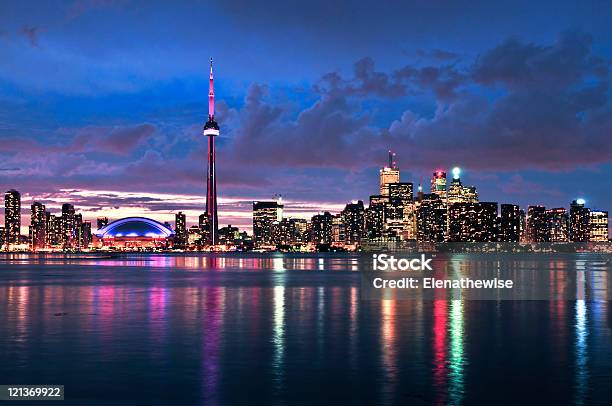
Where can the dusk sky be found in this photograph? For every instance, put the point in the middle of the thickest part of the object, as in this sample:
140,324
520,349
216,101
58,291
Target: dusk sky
102,103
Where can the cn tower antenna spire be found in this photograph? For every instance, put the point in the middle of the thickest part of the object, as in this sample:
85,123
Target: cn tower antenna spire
211,94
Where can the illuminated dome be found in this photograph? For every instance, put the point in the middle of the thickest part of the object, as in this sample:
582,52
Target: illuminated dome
135,227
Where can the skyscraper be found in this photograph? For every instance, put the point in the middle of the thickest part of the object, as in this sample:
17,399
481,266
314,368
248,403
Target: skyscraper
598,225
389,174
537,227
211,130
38,226
86,237
322,228
457,193
353,217
375,216
265,214
12,217
431,218
558,225
68,225
180,229
438,184
579,221
510,223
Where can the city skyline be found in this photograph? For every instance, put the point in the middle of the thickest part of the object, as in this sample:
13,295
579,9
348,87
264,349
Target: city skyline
525,112
449,210
191,206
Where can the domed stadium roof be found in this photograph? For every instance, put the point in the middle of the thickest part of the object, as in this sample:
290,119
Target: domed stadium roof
135,227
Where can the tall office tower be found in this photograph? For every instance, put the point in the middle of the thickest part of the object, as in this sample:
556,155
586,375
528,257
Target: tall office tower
285,232
598,225
38,226
353,217
473,222
264,216
338,230
321,228
180,230
389,174
510,223
457,193
12,217
68,225
2,237
537,227
302,230
211,130
86,234
54,230
78,230
557,221
579,221
438,184
375,216
431,219
523,236
398,219
204,228
102,222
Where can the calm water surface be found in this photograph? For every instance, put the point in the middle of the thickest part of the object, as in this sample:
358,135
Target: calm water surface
283,329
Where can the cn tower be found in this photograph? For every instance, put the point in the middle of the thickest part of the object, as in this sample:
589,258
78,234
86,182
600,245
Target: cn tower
211,130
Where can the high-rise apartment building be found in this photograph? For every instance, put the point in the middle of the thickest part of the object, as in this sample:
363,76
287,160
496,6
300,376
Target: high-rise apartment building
12,217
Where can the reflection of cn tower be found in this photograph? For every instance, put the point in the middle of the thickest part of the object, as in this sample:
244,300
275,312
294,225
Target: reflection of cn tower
211,130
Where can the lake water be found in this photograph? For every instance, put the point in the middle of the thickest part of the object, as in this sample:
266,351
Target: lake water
291,328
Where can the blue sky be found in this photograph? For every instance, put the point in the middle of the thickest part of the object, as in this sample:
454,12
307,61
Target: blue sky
102,102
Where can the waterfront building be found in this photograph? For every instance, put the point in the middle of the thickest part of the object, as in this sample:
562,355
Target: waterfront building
353,217
38,226
284,232
598,225
375,218
510,223
473,222
321,226
86,236
78,231
265,213
432,218
537,225
180,230
68,225
579,221
302,230
12,217
227,235
101,221
135,233
389,174
558,225
338,230
54,231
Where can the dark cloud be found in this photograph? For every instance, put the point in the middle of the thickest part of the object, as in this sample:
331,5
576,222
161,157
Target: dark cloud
124,140
518,64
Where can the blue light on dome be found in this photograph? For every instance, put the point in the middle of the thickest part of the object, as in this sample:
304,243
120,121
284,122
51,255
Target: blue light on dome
135,227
